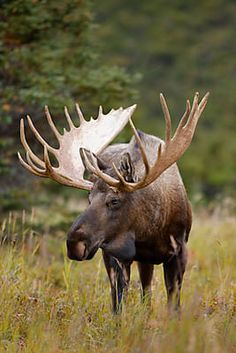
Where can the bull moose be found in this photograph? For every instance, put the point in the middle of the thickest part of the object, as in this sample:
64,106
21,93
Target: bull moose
138,208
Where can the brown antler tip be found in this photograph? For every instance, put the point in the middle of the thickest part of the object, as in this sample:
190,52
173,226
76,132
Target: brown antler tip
46,109
47,159
163,101
21,160
28,118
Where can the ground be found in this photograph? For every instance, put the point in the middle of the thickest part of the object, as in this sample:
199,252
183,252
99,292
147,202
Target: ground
50,304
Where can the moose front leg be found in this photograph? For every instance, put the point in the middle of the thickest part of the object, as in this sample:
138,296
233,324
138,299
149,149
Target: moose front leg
119,276
145,274
174,270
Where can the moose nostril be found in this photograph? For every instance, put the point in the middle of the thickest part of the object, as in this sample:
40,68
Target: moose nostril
80,249
76,250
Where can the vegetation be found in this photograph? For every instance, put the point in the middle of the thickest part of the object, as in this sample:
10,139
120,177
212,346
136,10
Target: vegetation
179,48
59,52
49,304
49,55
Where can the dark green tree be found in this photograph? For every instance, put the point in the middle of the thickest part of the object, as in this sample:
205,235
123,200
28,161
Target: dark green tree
49,55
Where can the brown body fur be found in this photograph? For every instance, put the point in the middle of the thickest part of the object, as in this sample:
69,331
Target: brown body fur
150,225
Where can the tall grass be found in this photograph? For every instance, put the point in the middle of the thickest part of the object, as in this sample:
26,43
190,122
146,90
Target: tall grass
52,305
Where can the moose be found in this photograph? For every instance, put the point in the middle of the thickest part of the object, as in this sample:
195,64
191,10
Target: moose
138,208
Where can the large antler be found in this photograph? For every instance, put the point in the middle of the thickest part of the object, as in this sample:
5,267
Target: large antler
94,135
168,153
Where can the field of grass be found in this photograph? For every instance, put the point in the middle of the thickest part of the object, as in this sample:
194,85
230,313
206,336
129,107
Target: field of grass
52,305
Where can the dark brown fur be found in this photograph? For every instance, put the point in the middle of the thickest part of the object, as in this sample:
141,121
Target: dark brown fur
150,226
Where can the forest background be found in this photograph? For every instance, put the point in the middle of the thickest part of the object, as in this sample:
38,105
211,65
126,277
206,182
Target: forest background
116,54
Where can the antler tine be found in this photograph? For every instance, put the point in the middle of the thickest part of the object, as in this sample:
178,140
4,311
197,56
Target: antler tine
140,144
120,176
105,177
28,167
47,161
48,171
203,102
89,165
184,119
39,137
80,114
93,167
51,124
196,112
167,117
68,118
37,169
193,110
100,112
27,147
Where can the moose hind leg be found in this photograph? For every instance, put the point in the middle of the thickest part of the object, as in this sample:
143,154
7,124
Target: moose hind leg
145,274
174,270
119,276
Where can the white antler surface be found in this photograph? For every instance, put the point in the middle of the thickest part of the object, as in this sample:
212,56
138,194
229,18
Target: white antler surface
94,135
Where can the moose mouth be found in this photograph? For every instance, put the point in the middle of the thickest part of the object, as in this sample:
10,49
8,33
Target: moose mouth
80,251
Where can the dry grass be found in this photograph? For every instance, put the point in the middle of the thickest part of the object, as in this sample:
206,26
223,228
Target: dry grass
51,305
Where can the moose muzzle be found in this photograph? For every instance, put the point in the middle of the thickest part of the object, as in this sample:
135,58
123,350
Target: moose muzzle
76,250
81,245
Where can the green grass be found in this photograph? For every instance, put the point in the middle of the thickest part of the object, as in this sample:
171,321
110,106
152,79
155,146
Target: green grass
52,305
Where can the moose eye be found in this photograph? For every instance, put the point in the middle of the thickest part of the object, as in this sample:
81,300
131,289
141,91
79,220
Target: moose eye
113,203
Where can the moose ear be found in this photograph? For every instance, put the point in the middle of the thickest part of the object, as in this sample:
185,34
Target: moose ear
127,169
101,164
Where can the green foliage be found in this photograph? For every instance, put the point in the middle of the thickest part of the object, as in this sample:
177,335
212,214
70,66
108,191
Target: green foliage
181,47
50,304
49,55
57,53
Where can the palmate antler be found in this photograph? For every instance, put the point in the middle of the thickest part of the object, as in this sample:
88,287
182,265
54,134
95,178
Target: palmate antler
94,135
168,153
